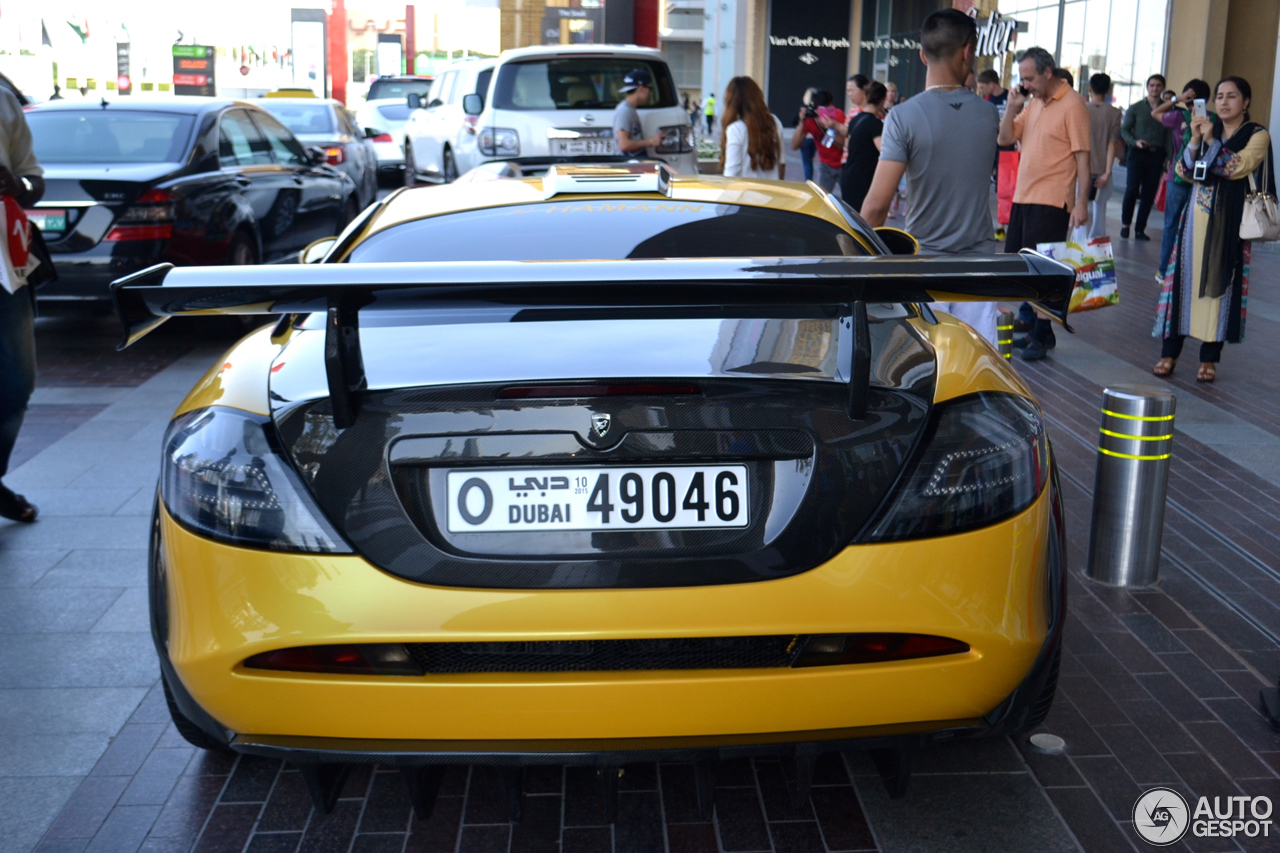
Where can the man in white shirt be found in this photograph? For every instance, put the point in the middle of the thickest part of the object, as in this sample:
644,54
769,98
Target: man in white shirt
20,178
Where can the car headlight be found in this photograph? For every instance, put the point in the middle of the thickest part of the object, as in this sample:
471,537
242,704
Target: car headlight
676,139
984,458
222,477
499,142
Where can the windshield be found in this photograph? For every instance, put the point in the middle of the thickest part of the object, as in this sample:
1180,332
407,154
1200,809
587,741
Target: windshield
302,118
109,136
608,229
398,89
586,83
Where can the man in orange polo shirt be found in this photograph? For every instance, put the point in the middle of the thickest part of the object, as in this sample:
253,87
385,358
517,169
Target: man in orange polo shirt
1051,122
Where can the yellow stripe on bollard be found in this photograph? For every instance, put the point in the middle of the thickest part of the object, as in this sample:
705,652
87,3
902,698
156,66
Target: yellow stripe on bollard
1132,456
1105,431
1138,417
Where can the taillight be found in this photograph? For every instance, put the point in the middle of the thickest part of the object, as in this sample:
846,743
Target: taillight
335,155
372,659
837,649
470,123
150,217
383,137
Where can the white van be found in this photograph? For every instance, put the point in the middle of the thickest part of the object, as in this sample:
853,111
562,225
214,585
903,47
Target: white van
555,104
439,138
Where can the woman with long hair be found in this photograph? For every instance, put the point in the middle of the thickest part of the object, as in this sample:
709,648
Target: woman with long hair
750,135
1207,281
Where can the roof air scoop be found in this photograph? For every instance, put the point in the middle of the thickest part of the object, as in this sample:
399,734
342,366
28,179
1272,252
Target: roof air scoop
607,178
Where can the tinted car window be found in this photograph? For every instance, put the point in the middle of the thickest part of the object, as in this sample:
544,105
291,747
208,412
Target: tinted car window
303,118
566,84
607,229
397,89
287,149
109,136
482,82
241,143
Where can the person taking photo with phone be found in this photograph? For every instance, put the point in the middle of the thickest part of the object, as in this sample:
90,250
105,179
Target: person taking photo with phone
1147,141
1175,114
1207,283
1052,196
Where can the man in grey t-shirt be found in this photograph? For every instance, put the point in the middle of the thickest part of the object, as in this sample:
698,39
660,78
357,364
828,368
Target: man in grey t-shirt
628,132
944,141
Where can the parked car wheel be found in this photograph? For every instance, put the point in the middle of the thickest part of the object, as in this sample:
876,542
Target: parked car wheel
450,167
410,167
242,251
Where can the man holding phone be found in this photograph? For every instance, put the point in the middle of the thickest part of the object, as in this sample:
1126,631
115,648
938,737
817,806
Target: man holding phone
1176,115
1052,195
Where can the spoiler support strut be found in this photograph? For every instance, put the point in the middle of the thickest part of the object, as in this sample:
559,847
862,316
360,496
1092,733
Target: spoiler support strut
343,363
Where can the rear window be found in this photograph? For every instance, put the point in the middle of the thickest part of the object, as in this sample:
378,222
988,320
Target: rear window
302,118
395,112
109,136
607,229
397,89
569,84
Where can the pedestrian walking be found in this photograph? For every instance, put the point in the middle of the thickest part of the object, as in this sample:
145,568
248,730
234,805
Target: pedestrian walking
1175,115
1207,284
994,92
809,132
862,146
947,184
21,185
808,144
709,110
1147,139
854,92
627,129
1052,198
750,135
1104,150
890,96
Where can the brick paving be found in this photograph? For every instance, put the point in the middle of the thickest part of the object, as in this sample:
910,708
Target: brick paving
1159,687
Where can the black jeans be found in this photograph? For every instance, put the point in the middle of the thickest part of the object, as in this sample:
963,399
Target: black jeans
1145,170
1030,225
17,366
1210,351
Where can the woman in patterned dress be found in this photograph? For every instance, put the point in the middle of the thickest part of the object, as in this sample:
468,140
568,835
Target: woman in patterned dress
1206,285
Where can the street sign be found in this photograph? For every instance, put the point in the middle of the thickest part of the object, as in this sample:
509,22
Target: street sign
123,84
193,70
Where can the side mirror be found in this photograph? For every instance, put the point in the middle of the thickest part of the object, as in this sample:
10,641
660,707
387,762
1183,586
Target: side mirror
472,104
315,252
436,103
414,100
898,241
316,155
371,132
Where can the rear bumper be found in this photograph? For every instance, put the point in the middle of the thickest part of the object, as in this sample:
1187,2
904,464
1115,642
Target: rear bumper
1000,589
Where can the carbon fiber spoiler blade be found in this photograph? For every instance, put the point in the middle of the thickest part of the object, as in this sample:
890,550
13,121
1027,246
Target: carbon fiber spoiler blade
146,299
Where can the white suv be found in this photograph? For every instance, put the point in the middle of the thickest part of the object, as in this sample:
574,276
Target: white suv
439,137
555,104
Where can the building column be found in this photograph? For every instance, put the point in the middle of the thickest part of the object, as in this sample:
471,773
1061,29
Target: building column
1211,39
723,46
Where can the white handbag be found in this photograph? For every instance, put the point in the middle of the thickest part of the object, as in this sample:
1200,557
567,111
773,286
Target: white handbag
1261,219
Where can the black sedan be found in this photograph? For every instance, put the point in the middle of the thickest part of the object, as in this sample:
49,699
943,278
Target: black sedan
182,180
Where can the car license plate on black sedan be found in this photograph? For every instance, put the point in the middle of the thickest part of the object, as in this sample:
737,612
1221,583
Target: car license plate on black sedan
541,499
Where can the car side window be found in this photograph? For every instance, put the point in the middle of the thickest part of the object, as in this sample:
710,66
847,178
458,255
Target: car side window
347,123
240,143
446,91
482,82
286,147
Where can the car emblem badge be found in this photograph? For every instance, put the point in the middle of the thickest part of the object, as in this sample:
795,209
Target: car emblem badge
600,424
808,58
588,119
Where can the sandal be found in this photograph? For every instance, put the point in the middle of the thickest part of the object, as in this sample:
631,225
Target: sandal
1207,372
1164,366
16,507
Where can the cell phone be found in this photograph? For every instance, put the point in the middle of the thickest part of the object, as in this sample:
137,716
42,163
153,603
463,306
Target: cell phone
1201,171
1024,91
1198,108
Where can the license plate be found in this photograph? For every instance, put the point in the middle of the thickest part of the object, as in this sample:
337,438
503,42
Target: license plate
48,219
541,499
583,148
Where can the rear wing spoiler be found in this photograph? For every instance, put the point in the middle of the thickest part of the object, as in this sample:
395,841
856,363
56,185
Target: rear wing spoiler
146,299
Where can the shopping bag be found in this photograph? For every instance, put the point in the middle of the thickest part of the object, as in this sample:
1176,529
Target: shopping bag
1095,267
1160,195
1006,182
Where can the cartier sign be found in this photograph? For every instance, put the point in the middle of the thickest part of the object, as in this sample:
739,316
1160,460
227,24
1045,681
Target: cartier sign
997,35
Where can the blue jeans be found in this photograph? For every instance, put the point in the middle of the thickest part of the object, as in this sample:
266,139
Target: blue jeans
17,366
1175,199
808,150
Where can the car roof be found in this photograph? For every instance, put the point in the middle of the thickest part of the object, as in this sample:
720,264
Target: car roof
402,78
567,50
186,104
267,103
408,205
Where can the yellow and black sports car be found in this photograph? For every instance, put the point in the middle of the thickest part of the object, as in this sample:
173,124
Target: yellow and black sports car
606,464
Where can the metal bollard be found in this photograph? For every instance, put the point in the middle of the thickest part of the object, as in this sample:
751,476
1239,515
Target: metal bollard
1134,447
1004,333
